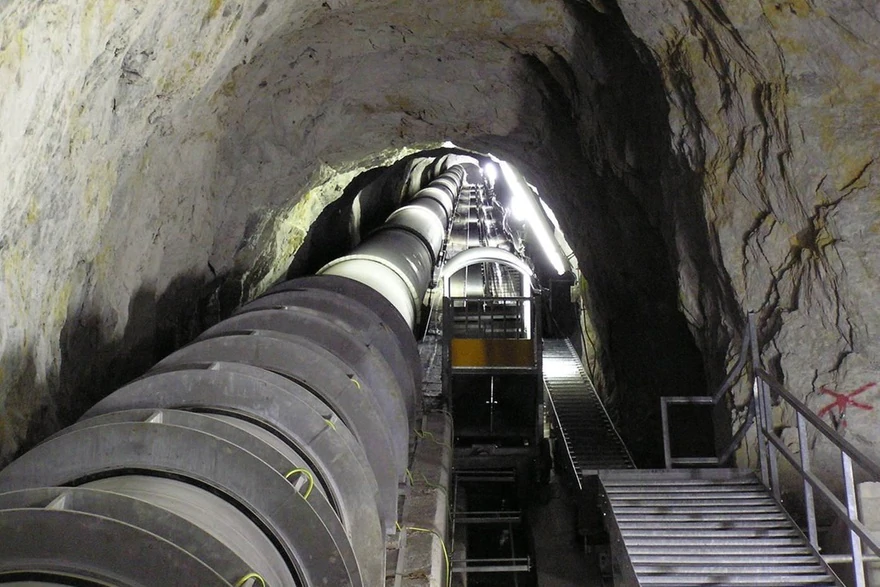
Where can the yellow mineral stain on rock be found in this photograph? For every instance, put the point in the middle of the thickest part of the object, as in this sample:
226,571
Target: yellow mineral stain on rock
86,25
16,274
99,189
213,8
108,11
33,213
781,10
852,173
79,133
101,263
494,8
13,51
178,78
58,303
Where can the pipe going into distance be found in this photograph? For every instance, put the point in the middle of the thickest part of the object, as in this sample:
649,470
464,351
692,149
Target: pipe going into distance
266,452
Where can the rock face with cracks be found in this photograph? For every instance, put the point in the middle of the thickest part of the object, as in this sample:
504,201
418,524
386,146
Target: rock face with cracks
163,161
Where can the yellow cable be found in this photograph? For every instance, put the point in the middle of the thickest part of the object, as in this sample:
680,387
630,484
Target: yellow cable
330,423
442,543
356,382
430,436
433,485
244,579
308,475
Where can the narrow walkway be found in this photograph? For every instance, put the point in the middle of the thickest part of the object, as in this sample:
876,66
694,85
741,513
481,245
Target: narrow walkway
591,441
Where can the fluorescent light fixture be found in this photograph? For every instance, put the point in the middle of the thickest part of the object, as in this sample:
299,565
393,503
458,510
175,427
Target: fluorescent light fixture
523,205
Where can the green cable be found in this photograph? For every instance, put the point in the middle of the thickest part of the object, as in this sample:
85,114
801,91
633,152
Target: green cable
244,579
430,436
442,543
308,475
433,485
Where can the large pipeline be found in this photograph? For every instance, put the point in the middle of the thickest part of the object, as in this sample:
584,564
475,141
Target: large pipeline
266,452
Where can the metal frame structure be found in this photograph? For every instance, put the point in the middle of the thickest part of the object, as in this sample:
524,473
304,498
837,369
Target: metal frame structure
767,391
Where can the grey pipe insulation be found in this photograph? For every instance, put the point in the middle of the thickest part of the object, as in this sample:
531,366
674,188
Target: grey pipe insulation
266,452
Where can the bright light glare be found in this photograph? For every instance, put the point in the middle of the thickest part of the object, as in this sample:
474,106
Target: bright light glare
518,208
449,145
491,173
523,203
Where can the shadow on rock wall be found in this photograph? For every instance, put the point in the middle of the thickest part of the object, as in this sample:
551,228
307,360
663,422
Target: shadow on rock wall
95,363
625,203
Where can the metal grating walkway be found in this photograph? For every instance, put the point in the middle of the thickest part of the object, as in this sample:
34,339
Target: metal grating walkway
590,438
715,527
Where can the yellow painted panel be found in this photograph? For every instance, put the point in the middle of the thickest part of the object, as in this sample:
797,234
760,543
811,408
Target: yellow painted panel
491,352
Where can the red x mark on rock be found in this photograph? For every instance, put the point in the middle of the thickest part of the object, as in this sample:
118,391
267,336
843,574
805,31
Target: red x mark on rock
842,400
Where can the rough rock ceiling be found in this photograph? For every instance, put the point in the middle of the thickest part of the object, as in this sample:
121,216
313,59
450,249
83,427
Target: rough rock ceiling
162,161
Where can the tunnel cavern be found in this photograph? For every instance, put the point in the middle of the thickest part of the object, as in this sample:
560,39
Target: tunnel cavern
511,292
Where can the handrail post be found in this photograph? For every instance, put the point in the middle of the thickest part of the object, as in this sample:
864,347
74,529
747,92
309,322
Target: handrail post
852,510
809,501
759,404
772,452
667,444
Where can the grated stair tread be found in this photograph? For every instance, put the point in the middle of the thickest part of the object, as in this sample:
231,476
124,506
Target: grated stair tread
589,436
707,527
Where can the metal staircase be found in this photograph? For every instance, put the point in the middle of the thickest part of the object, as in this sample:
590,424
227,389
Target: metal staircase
704,527
720,526
591,441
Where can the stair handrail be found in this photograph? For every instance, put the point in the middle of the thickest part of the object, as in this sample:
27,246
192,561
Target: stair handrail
708,400
766,388
770,446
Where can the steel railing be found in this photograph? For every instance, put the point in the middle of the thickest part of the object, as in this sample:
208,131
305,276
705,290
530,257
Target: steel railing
708,400
766,390
491,317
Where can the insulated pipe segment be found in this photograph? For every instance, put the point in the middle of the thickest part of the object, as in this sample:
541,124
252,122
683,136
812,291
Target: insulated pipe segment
288,411
439,195
360,309
395,268
448,182
393,262
242,434
324,376
370,372
215,533
380,277
269,447
37,540
434,207
406,252
236,474
421,222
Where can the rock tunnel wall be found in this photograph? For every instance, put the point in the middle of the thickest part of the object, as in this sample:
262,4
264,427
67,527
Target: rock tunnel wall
163,161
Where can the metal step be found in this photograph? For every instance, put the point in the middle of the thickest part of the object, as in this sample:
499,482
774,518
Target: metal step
591,441
704,527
